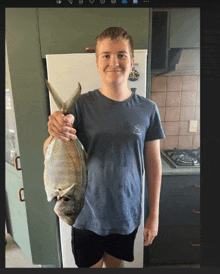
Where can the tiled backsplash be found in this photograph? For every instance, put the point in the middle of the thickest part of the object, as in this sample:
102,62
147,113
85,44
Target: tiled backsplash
178,101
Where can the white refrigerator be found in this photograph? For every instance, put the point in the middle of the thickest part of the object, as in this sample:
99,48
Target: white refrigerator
64,72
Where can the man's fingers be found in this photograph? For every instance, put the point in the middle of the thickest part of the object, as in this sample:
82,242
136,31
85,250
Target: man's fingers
63,136
69,119
59,136
55,121
61,126
148,238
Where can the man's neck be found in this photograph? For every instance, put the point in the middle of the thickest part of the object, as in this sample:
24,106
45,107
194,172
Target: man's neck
116,93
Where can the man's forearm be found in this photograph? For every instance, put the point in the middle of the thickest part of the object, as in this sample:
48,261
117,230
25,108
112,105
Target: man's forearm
154,173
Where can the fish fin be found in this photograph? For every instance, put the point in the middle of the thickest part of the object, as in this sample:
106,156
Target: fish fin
84,155
63,192
71,102
57,99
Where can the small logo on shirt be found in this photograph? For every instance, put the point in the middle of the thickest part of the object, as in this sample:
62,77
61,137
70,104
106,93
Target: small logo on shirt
137,130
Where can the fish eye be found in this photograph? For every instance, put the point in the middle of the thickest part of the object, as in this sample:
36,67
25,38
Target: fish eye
66,199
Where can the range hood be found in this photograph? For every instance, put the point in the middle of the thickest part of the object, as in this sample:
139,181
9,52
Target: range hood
182,61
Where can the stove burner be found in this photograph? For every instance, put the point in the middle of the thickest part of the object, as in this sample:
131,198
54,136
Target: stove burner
183,158
186,161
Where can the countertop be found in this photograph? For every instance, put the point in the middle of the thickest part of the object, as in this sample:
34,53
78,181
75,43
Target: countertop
168,170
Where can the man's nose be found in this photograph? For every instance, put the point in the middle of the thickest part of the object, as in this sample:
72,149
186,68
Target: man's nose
114,61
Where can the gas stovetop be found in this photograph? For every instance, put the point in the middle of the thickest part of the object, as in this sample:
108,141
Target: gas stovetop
182,158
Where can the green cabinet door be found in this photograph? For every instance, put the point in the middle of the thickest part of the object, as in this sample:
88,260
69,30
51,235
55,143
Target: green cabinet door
16,216
30,108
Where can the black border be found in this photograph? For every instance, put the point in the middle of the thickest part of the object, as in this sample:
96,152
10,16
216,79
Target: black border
210,76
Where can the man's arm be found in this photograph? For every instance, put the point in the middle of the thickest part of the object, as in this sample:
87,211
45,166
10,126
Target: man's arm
153,171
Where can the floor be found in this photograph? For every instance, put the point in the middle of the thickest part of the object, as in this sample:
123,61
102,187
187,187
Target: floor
16,258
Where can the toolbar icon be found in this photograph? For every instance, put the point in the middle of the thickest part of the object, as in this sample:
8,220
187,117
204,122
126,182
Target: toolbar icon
80,1
113,1
102,1
124,1
135,1
91,1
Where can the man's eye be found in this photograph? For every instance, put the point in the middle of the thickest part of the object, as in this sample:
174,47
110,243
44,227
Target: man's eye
122,55
106,56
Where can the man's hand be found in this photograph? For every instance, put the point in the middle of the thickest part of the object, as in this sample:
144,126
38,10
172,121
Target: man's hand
150,229
60,126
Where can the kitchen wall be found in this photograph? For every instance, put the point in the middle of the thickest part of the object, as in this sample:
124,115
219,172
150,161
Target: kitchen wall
178,100
70,30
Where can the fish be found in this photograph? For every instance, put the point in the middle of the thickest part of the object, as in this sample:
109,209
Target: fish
65,169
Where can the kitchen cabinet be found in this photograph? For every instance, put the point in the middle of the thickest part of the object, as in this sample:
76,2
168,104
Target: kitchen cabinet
34,225
16,216
184,28
179,26
173,29
179,222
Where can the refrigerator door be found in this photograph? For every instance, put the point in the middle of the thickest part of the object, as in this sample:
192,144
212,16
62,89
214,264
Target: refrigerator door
64,72
137,80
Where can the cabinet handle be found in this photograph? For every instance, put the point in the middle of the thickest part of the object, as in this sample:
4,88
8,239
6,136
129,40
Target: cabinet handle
19,195
197,212
195,245
16,163
197,186
91,49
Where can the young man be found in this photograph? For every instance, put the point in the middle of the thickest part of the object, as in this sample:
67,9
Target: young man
106,122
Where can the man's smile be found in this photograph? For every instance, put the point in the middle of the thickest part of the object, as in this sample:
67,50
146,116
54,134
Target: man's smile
114,70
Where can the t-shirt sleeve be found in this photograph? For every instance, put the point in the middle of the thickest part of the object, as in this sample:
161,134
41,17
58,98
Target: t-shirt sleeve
155,130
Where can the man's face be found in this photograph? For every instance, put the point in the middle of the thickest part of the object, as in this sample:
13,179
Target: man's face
114,62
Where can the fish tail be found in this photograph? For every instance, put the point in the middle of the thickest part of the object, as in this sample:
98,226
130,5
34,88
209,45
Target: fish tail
66,107
58,100
71,102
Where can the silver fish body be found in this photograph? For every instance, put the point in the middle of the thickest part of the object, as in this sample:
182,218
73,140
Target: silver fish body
65,172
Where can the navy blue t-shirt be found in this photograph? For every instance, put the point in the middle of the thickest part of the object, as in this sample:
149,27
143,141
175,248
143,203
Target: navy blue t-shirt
114,134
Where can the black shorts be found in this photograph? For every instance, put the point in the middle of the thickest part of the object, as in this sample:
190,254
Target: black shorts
88,247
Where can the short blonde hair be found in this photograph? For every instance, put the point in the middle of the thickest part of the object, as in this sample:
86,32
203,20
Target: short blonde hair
115,33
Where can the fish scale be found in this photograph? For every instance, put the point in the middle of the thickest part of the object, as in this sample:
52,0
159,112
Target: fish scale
65,171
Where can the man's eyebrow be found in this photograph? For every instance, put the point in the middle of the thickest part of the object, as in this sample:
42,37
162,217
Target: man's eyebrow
121,51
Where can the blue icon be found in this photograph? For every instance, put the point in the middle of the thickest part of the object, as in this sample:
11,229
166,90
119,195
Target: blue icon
135,1
124,2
